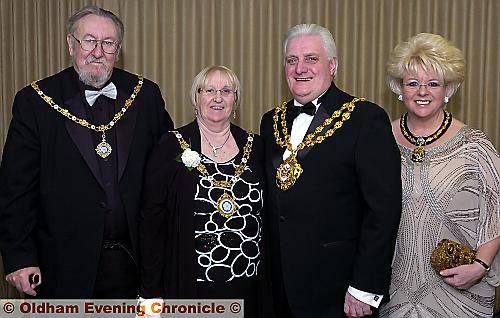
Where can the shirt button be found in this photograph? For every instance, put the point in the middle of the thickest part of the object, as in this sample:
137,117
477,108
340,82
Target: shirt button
102,204
376,298
282,218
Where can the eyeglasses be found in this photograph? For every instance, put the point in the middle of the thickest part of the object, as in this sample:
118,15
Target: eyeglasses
414,85
225,92
109,47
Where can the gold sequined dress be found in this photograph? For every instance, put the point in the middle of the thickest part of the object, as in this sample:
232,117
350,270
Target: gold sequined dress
454,194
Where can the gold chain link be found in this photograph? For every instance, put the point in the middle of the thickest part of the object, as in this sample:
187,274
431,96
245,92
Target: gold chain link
237,172
312,138
83,122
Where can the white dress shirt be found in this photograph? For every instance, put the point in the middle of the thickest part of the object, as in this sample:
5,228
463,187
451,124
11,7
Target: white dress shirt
299,127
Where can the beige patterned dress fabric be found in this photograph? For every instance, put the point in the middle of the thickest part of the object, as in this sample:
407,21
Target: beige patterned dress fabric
453,194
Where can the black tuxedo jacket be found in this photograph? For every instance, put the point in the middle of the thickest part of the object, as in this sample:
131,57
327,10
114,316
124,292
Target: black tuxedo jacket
337,225
52,202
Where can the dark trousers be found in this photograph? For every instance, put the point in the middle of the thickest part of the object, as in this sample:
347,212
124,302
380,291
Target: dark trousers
246,289
281,306
117,275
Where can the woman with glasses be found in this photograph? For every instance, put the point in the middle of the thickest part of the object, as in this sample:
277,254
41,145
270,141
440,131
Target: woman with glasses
451,189
203,210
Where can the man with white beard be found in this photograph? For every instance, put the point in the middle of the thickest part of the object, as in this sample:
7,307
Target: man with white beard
72,168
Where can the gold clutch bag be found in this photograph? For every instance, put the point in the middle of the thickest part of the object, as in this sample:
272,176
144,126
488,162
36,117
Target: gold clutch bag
449,254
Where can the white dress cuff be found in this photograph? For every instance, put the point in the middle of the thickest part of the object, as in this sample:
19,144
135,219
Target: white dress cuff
368,298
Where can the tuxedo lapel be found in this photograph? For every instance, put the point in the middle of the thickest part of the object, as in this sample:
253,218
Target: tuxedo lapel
289,117
320,116
81,136
331,101
124,130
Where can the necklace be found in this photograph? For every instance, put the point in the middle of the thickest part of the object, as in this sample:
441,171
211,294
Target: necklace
226,205
215,148
290,169
103,149
418,154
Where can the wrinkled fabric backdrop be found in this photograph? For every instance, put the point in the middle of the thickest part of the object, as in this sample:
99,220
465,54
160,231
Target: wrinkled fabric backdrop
170,41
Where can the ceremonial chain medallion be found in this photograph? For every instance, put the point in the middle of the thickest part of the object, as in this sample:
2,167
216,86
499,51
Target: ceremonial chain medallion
103,149
288,172
226,205
290,169
418,154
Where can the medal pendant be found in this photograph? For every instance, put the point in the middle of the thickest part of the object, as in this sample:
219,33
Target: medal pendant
103,149
288,173
418,154
226,206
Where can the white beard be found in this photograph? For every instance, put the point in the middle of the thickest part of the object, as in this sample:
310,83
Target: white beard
94,79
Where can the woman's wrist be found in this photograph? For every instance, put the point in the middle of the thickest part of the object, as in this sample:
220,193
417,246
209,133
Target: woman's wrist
483,264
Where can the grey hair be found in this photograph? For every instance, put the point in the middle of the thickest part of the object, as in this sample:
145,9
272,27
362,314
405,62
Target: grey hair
204,75
313,29
92,9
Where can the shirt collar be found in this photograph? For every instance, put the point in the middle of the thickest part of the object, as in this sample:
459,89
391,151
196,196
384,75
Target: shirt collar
315,101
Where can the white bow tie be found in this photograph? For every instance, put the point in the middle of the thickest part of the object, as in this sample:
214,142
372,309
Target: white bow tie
108,91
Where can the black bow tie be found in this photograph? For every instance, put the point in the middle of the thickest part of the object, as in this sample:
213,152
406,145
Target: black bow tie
308,109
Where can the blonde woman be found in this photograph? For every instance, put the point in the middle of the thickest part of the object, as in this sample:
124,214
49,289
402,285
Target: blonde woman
201,228
451,188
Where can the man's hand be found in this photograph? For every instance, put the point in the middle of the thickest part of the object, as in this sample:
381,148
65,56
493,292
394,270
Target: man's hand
355,308
20,279
464,276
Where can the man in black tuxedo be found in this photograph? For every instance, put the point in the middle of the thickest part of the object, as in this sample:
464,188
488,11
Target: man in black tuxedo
334,199
72,169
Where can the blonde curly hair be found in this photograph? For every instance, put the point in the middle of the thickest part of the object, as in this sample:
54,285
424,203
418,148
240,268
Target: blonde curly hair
431,52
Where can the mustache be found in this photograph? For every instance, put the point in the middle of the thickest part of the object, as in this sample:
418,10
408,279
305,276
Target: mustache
92,58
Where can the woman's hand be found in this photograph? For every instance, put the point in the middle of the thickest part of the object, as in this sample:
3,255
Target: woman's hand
464,276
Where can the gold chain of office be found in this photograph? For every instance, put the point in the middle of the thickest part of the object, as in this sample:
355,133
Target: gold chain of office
226,204
103,149
290,169
237,172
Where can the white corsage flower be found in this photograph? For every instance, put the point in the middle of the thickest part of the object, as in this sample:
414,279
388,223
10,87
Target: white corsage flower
191,159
